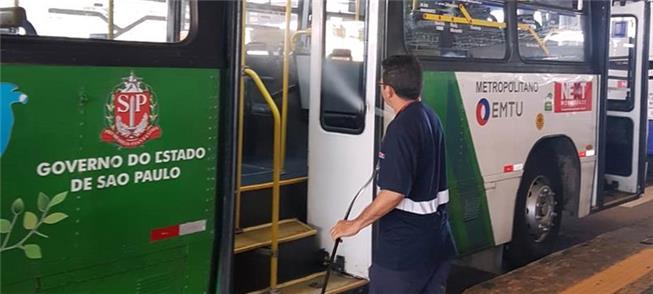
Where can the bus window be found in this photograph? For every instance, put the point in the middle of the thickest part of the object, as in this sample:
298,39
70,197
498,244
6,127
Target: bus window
621,71
344,31
461,29
342,103
266,28
550,34
567,4
121,20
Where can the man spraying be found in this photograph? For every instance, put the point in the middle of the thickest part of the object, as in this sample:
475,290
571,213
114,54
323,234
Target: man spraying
413,248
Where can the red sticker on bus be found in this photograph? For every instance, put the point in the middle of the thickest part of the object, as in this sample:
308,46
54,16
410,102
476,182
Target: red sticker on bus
164,233
508,168
573,96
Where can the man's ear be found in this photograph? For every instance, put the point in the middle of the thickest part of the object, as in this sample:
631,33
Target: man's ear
390,92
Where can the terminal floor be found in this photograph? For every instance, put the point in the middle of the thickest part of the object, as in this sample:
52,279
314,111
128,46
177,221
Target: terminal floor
608,252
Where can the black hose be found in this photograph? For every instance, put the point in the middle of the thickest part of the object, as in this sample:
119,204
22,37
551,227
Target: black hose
338,241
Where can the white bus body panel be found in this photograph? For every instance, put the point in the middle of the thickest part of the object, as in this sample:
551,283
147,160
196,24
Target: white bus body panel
506,138
504,141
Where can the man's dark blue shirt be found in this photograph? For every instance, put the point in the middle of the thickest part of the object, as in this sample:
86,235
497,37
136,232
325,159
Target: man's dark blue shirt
412,162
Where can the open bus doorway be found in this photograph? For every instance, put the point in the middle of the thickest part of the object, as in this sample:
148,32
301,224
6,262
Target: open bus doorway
627,103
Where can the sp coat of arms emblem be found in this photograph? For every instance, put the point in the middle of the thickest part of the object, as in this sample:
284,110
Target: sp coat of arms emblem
131,114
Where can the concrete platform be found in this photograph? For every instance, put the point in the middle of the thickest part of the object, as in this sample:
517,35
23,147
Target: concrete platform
619,261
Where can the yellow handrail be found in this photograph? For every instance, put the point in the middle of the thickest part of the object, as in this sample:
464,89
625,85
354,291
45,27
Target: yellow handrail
267,185
461,20
540,42
465,13
276,175
279,142
284,89
468,19
241,118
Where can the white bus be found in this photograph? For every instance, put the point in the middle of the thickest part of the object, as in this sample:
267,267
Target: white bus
533,125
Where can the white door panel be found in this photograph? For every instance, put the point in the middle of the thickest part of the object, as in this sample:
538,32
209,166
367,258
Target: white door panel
340,163
630,183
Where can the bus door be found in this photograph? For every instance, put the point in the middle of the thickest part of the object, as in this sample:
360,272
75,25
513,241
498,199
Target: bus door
341,121
626,101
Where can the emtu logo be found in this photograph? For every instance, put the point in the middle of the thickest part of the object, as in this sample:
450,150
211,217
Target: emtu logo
498,110
482,111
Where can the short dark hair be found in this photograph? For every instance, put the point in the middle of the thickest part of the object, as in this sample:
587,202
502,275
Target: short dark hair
404,74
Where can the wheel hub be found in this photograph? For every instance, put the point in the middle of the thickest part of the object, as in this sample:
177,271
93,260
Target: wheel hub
540,209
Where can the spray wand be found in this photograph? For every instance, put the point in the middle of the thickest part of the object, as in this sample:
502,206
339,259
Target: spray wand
339,240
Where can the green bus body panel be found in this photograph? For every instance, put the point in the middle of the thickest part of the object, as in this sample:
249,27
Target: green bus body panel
469,213
104,240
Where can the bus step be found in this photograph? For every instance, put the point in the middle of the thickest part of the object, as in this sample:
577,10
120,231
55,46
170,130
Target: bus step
259,236
338,283
268,185
255,208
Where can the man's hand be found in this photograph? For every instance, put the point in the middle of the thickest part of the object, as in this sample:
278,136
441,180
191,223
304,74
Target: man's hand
384,202
345,229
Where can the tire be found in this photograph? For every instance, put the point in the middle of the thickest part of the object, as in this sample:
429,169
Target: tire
538,211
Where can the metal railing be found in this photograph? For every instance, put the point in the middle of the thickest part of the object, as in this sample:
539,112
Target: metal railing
276,174
286,77
279,141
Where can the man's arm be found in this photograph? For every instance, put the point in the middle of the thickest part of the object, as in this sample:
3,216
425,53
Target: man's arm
384,202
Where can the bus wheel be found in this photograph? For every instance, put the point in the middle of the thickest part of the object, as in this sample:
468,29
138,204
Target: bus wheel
538,212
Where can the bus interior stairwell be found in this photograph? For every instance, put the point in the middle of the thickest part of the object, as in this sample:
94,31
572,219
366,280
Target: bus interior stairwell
276,248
